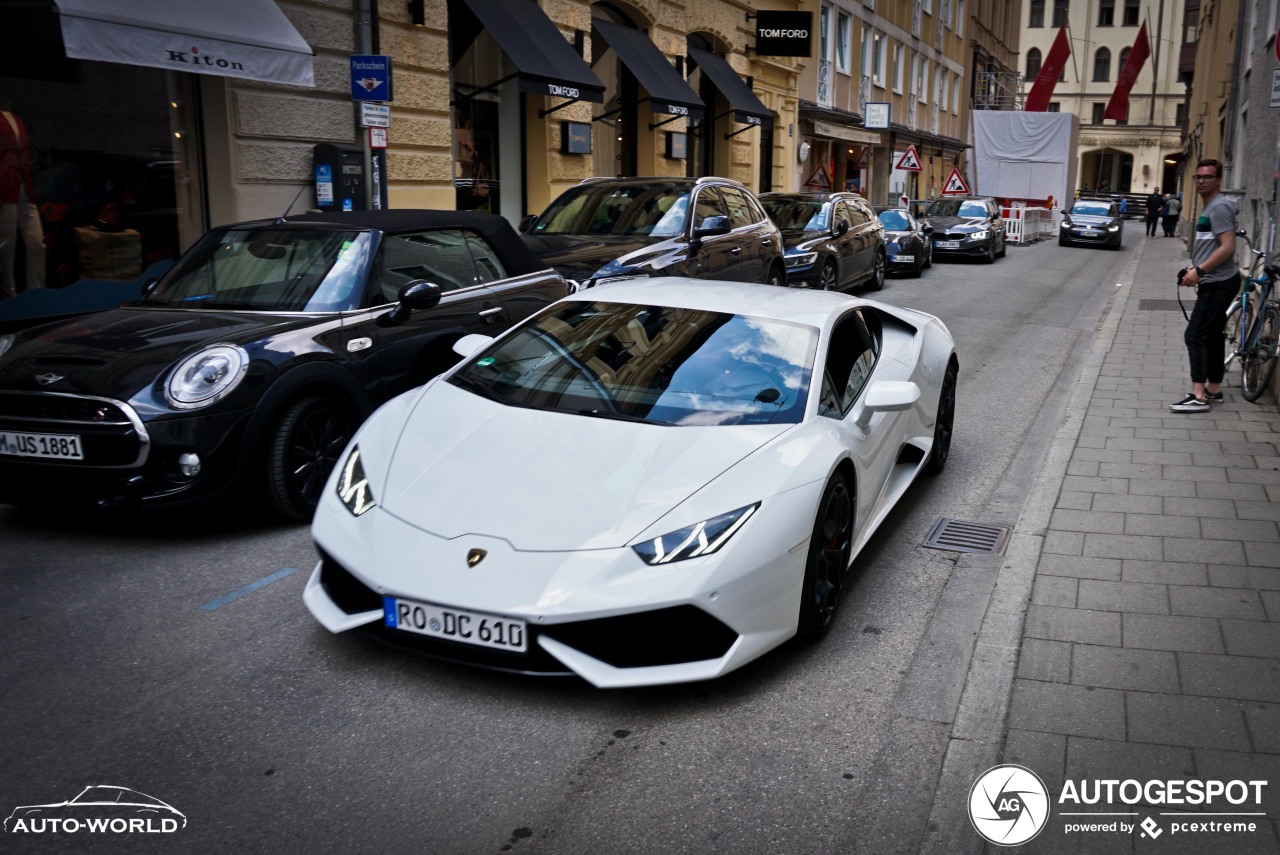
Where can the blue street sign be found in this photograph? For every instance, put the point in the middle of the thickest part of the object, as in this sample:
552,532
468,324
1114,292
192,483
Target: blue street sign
370,77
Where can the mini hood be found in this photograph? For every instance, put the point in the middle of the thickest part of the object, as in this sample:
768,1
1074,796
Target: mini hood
548,481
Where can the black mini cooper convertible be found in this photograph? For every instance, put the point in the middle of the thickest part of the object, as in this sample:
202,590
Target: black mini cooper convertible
244,370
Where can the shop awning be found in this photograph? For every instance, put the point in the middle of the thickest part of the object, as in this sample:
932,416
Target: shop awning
545,61
249,39
668,93
749,109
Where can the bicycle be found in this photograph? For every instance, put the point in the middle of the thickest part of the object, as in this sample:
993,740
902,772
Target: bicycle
1252,328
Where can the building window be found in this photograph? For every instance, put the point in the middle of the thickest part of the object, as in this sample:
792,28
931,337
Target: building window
897,68
922,81
878,58
1054,107
1102,65
1124,60
1131,13
867,66
927,6
1106,13
944,88
1037,14
844,35
959,17
1180,115
1098,109
955,96
1061,8
1033,63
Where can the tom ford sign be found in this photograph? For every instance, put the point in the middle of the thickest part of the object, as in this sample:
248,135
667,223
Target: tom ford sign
784,34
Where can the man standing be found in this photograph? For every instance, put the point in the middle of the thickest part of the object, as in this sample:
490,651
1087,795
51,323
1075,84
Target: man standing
1214,274
1155,202
1171,212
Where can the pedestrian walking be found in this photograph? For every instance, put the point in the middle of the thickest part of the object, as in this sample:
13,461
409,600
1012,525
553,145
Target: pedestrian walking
1155,203
1124,207
1216,278
1172,211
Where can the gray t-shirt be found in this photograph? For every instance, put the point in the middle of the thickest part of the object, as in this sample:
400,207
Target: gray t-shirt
1217,217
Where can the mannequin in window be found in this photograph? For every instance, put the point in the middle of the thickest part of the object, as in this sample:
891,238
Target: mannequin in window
19,217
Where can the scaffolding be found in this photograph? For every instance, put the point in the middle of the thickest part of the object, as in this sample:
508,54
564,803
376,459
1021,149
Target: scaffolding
997,90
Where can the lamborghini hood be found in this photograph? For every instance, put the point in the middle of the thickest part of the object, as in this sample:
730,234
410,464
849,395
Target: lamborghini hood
546,481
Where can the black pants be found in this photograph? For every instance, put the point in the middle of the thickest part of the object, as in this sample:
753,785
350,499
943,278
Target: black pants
1152,219
1170,225
1206,345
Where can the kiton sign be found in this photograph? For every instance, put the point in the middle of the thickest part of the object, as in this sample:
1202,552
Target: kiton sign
194,57
784,34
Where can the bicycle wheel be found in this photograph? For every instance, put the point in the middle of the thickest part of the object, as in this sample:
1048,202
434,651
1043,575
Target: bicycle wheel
1231,333
1259,361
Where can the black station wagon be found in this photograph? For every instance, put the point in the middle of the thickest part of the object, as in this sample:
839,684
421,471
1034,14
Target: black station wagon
244,370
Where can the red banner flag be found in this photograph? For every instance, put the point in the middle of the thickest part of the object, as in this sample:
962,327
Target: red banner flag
1050,71
1118,106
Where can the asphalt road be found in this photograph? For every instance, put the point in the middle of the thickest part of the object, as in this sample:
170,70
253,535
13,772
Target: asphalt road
124,661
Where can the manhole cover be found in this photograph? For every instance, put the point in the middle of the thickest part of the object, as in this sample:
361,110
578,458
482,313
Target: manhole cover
1150,305
961,536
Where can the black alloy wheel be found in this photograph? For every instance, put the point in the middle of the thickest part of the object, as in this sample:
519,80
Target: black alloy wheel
308,440
829,280
989,257
943,425
830,549
876,283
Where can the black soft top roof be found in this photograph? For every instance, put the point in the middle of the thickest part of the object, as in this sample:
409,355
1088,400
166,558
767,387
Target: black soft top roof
515,256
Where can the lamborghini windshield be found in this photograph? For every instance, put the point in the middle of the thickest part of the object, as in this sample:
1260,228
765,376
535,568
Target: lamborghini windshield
276,269
652,364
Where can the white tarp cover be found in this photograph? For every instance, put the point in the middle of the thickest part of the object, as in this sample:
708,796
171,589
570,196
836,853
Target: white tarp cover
1021,155
250,39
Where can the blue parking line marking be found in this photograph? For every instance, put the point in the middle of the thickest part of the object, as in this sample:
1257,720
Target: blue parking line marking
248,589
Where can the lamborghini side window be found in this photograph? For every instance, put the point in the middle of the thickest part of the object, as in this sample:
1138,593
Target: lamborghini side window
851,356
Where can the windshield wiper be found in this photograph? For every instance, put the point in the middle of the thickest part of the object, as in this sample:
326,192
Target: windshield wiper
613,414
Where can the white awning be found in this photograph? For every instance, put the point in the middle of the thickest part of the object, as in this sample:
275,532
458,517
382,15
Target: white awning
250,39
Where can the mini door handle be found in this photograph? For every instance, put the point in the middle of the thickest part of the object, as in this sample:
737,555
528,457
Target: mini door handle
487,312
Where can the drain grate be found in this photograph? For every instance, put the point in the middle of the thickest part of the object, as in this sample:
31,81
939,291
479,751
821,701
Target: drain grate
1150,305
961,536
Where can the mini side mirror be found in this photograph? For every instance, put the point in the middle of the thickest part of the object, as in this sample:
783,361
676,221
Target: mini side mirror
526,223
414,296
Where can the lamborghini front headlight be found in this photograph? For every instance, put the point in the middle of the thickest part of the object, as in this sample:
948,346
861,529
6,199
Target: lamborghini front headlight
696,540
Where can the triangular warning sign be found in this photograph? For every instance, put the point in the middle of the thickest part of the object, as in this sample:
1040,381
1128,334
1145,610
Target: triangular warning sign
819,178
956,185
910,160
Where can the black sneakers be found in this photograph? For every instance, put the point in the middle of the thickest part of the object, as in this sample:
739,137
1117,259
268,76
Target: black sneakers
1213,397
1191,404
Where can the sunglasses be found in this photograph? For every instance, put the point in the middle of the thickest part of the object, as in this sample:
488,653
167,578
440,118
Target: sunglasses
1204,177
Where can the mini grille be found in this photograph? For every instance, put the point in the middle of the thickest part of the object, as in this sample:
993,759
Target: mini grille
1150,305
59,408
961,536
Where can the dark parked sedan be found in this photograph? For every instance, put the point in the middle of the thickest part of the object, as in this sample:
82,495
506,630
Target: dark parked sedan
612,229
1097,223
834,240
247,367
966,226
908,241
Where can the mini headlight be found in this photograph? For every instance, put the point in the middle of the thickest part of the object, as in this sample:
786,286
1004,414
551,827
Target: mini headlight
6,342
982,235
207,376
701,538
802,259
353,487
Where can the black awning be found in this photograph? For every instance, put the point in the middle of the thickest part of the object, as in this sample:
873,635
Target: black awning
545,61
749,109
668,93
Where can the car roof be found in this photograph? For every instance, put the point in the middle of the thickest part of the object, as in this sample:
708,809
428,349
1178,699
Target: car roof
679,180
799,305
516,257
807,194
